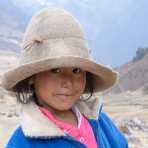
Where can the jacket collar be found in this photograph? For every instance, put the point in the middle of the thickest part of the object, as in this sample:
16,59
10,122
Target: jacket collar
35,124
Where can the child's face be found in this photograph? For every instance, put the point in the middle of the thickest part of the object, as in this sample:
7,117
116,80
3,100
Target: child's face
60,88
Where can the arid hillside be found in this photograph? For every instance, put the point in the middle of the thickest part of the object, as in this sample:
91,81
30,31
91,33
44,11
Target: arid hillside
133,76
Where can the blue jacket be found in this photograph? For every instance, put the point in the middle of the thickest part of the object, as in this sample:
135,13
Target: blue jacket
106,133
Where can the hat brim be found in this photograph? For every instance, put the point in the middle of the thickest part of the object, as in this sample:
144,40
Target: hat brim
103,76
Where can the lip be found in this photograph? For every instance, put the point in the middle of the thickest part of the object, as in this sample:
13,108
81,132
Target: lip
63,97
64,94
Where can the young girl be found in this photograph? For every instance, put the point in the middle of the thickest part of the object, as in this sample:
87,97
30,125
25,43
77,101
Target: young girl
55,81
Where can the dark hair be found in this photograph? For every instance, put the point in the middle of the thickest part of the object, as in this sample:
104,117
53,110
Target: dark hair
25,92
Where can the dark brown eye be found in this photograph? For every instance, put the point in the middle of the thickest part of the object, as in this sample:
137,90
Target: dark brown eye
56,70
77,70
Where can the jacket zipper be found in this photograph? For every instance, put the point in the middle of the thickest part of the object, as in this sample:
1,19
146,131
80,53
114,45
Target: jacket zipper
73,139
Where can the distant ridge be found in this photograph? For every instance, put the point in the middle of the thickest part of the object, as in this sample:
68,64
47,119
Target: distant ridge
133,75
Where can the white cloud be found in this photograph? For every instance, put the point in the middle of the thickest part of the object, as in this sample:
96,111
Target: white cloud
28,3
25,3
42,2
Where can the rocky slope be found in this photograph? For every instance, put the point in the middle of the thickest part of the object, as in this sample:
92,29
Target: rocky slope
133,76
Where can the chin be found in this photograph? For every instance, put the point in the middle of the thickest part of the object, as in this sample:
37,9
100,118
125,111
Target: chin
63,108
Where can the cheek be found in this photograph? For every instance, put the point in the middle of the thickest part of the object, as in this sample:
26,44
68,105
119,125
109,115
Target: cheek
80,85
45,86
50,84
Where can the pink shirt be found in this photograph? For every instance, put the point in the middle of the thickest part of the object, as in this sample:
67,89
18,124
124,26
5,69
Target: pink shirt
82,133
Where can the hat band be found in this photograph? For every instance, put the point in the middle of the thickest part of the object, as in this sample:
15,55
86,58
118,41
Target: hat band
55,48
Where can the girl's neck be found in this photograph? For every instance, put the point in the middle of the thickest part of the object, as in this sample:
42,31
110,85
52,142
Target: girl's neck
67,116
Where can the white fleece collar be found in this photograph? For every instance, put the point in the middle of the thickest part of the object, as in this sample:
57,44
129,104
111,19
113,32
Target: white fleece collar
35,124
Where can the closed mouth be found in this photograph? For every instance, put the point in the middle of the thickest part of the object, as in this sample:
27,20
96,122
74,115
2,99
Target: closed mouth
64,94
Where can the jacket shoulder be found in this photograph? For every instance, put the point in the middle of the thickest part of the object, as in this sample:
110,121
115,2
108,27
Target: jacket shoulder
17,139
112,133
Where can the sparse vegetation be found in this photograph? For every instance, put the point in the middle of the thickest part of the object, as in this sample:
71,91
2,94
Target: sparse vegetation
140,53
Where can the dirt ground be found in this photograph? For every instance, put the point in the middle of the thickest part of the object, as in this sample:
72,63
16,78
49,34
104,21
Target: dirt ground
130,110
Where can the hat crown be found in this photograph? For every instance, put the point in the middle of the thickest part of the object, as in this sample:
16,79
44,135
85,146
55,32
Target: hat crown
53,33
50,24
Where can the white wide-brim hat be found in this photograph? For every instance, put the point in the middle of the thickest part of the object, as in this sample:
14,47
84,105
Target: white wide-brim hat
54,38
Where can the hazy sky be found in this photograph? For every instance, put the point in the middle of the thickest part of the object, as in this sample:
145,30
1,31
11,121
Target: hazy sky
114,28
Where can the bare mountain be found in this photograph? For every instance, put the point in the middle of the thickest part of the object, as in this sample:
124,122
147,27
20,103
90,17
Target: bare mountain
133,75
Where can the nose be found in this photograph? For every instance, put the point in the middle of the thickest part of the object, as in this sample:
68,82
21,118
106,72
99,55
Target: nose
67,81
